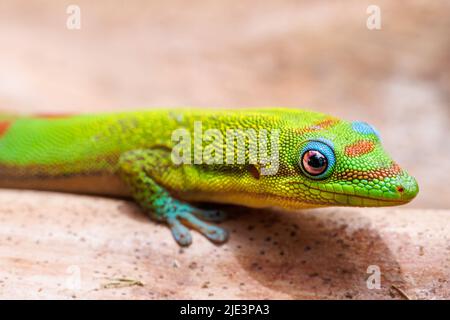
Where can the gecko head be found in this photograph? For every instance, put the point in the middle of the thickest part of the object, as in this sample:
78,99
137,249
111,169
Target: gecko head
346,165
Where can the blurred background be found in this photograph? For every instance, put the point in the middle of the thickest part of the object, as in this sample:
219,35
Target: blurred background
318,55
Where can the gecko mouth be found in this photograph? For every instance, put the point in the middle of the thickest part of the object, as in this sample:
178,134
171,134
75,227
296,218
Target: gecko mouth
367,200
346,199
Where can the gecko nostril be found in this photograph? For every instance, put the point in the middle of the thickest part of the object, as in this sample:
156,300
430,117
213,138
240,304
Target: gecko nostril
400,189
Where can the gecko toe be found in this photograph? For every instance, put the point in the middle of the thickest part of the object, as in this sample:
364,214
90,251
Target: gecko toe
216,234
180,233
181,217
213,233
210,215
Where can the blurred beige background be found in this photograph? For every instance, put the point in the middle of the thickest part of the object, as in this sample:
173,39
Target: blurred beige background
310,54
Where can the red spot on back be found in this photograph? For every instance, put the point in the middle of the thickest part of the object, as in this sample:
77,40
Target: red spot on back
53,115
380,173
359,148
4,126
323,124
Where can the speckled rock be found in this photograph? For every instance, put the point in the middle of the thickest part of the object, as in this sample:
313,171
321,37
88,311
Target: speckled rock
68,246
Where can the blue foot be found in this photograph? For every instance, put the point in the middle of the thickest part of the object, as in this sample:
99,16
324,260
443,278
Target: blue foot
181,216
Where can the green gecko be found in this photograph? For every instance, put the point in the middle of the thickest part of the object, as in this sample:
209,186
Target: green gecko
320,161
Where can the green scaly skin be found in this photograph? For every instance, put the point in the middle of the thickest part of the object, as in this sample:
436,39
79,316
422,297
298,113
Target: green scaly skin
129,154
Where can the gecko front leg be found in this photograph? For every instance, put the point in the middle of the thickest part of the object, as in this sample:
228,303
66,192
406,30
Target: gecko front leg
144,171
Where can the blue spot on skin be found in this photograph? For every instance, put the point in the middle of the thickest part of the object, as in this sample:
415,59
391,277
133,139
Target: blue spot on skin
364,128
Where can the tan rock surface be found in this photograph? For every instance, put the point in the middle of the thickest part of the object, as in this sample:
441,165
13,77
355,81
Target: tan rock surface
69,246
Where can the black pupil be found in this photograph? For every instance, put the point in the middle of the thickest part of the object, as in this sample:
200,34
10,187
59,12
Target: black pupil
317,161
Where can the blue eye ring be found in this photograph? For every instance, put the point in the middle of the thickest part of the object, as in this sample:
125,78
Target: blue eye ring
324,155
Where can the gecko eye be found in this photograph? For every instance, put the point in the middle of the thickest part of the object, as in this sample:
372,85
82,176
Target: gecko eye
314,162
317,160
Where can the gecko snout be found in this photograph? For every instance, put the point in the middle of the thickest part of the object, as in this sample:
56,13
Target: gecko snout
406,187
